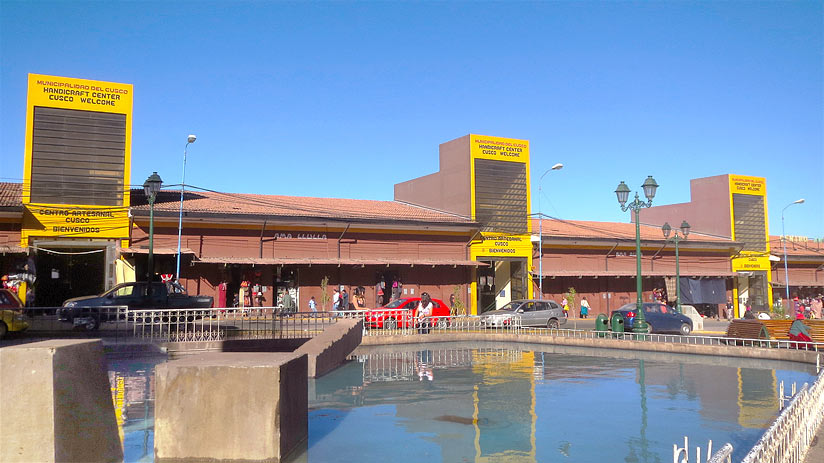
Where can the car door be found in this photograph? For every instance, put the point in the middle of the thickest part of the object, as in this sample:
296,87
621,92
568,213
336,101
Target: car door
131,295
527,314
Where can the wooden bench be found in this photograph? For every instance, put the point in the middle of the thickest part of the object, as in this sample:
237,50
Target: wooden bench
778,329
816,329
747,329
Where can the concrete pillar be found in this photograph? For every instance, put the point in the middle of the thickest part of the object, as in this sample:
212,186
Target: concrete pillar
231,407
56,403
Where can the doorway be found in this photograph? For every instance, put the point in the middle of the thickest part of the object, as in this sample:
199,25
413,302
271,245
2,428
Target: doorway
63,273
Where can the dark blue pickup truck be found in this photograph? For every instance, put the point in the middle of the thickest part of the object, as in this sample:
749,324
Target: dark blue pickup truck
115,304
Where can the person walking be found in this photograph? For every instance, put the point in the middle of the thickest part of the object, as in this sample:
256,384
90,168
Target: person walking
313,306
566,308
584,307
336,300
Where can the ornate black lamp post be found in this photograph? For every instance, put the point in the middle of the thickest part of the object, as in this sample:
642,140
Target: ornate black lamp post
150,187
622,192
685,230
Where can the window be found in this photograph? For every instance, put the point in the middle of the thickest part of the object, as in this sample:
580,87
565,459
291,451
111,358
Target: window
128,290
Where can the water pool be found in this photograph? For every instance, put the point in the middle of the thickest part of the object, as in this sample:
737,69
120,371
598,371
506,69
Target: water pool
490,402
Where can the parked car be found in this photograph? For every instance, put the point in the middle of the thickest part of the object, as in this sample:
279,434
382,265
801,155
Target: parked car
11,313
400,313
526,312
661,318
90,311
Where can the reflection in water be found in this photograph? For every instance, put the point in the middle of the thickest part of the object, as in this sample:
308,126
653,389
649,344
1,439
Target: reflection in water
452,404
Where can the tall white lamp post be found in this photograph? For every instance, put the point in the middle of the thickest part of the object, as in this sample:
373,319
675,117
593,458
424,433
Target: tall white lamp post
784,240
189,140
557,166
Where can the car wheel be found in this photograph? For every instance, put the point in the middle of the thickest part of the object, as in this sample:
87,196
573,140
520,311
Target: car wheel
553,324
685,329
92,324
390,324
649,327
3,330
442,324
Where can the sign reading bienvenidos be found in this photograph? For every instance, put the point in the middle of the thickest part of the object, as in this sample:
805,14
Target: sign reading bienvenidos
77,158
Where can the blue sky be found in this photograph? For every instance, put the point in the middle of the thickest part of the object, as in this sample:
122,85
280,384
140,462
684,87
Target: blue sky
345,99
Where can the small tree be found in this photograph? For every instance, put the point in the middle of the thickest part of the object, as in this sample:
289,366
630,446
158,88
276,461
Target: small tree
458,307
570,298
324,294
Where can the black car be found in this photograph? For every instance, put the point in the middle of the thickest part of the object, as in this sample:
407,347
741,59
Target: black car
661,318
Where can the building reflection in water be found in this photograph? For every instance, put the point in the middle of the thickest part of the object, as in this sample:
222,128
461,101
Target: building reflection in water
501,404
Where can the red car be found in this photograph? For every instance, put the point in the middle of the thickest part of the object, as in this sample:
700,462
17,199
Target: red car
400,313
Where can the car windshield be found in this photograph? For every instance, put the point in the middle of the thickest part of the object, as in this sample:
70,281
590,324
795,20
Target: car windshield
395,304
512,306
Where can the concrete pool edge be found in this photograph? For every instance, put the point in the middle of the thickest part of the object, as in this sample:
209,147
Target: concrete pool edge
764,353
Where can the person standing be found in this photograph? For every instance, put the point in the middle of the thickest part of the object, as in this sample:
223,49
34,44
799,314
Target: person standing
344,300
566,308
288,302
423,312
728,310
584,307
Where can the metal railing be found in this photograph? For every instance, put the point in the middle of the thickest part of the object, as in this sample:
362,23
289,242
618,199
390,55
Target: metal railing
789,437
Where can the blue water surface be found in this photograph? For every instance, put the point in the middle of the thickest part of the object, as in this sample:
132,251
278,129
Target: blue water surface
452,403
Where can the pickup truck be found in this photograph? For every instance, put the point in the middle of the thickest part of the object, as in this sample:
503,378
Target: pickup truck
115,304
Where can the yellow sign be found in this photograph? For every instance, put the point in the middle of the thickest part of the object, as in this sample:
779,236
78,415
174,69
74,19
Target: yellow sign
75,221
748,185
89,95
503,245
750,264
500,149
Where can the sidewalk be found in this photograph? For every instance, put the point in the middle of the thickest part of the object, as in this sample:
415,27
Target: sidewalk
816,452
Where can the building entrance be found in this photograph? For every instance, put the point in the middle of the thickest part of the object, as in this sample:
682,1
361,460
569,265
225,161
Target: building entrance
504,280
63,273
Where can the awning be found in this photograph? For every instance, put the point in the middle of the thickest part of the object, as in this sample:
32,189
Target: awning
799,284
308,261
159,251
631,273
11,249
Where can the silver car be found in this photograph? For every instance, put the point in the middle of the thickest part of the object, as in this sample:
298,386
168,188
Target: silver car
526,312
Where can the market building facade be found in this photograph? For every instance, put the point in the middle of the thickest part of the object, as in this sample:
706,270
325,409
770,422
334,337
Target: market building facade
74,226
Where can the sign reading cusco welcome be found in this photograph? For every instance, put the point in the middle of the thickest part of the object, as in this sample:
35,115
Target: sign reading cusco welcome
78,152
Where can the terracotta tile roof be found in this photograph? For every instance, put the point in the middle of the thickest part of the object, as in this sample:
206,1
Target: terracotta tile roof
796,247
11,194
556,228
293,206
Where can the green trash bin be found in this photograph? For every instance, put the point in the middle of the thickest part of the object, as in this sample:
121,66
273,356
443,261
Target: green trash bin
601,325
617,323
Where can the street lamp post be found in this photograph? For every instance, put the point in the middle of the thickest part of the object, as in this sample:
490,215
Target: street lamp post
189,140
557,166
622,192
150,188
685,230
784,240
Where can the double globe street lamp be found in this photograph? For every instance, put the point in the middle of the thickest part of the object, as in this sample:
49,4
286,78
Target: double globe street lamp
150,188
622,192
685,230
